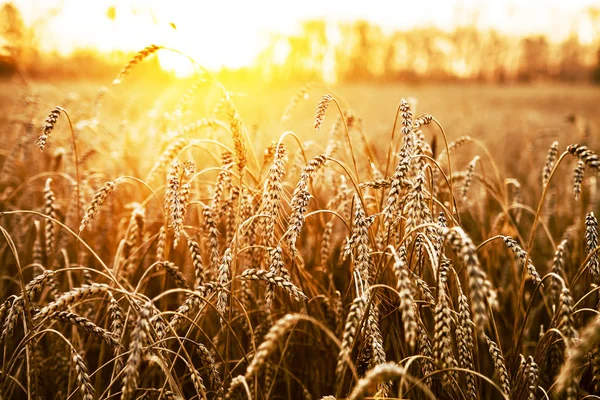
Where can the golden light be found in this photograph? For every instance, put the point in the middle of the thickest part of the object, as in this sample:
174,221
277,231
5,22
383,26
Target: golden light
175,63
232,33
281,51
585,32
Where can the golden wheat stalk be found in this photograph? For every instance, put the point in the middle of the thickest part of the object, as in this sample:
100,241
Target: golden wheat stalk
139,57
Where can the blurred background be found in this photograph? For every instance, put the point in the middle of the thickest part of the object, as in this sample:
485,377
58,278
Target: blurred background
502,41
515,74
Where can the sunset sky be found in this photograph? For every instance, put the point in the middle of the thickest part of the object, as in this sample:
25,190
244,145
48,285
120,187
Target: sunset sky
231,33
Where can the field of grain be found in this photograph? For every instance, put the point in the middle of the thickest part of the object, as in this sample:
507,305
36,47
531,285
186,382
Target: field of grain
193,241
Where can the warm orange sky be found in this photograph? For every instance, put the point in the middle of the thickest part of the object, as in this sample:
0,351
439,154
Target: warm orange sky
231,33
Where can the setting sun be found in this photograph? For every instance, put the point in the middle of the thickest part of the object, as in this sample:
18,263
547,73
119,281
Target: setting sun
181,66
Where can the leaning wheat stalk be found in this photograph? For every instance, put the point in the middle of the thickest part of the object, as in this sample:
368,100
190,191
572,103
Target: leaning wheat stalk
97,201
87,325
292,290
351,332
83,377
321,110
50,211
70,298
139,57
264,350
48,127
578,357
139,337
381,373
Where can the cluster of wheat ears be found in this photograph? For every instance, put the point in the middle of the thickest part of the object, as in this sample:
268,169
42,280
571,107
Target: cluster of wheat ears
338,275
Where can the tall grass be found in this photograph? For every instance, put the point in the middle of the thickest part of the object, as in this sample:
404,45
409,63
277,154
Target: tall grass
342,267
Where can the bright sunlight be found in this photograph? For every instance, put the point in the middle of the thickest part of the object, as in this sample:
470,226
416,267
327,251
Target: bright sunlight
303,200
232,34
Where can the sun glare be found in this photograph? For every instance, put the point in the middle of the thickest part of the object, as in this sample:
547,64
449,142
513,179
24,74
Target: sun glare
281,51
175,63
233,34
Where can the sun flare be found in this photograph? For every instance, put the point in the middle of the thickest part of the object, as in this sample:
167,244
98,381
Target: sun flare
233,34
179,65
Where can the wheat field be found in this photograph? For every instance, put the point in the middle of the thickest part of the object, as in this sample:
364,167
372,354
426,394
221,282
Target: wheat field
330,245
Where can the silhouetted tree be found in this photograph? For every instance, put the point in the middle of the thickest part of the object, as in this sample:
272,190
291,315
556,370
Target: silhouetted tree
534,58
570,63
12,32
594,15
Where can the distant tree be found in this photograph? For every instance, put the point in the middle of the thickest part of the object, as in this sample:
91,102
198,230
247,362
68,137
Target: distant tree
360,51
390,68
12,29
493,58
12,33
570,63
534,57
594,15
19,43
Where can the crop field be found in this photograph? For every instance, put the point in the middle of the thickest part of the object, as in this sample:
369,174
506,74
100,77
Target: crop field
200,240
